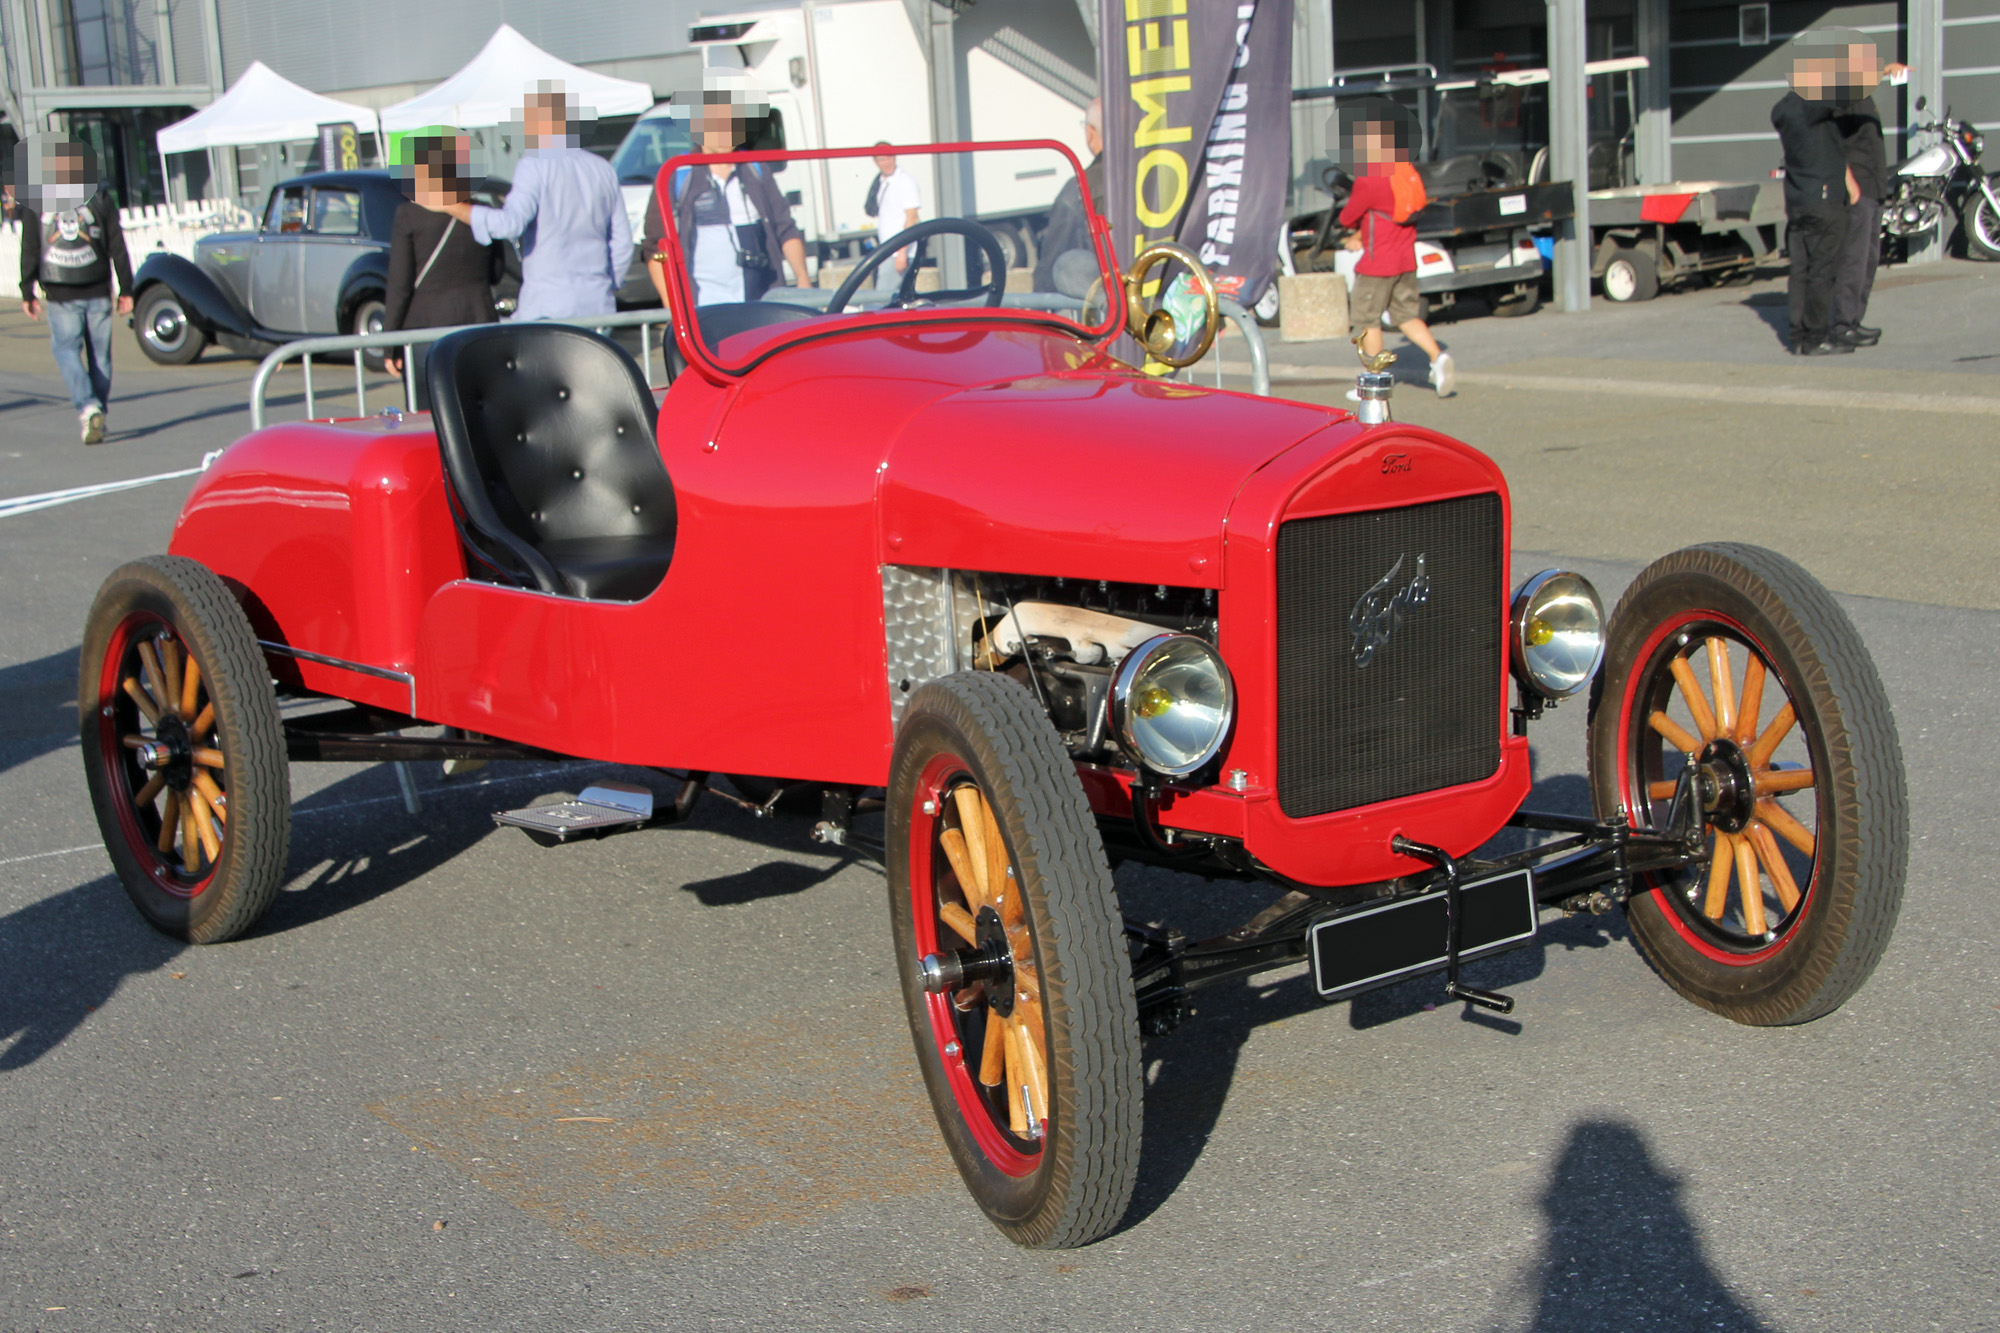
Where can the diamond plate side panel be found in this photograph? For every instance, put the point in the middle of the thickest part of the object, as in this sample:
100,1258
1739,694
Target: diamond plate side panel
917,617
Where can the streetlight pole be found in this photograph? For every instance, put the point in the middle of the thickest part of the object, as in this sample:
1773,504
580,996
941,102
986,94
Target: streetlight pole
1569,150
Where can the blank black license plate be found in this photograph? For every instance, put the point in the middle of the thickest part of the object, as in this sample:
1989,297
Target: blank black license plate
1381,945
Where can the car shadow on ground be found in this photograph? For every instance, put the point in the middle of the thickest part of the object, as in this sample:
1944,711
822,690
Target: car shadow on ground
1189,1071
65,956
1619,1249
37,708
352,841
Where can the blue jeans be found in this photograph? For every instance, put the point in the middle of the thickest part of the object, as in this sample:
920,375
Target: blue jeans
85,362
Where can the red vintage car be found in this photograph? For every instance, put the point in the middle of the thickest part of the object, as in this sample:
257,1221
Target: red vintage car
1014,611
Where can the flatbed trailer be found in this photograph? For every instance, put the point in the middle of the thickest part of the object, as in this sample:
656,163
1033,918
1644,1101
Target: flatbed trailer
1646,238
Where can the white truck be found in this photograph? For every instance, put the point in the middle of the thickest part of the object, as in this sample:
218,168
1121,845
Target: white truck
851,73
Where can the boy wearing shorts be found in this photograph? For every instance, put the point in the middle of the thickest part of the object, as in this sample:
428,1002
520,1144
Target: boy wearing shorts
1387,194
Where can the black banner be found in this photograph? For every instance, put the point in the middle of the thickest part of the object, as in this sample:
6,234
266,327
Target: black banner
339,147
1198,131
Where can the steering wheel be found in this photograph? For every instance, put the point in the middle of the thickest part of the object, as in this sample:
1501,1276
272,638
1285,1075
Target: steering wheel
906,291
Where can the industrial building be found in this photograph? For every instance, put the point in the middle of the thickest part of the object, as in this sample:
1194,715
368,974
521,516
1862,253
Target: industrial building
114,71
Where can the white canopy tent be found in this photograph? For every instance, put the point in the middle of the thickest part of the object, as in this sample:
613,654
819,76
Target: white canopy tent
261,107
487,92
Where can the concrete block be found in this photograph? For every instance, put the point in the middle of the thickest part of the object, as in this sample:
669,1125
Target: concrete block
1312,306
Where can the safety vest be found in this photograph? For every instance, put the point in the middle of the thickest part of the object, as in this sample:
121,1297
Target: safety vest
74,251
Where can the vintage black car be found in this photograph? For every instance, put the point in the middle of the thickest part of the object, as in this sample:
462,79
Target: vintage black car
318,265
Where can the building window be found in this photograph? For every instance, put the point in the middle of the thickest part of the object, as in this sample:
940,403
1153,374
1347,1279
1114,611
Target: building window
105,45
1753,25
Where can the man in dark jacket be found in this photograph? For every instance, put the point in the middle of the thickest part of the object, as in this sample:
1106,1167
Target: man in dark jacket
72,248
1860,126
1818,189
1069,225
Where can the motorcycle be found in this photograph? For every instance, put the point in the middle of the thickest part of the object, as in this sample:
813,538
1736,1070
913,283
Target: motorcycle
1945,175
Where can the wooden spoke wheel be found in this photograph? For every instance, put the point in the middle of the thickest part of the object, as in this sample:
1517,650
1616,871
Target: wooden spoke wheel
183,749
1031,1051
1731,670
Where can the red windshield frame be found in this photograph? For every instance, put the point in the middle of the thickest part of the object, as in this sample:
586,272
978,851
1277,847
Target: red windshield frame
680,291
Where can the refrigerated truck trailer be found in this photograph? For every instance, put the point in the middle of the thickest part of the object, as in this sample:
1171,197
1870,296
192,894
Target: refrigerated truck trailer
851,73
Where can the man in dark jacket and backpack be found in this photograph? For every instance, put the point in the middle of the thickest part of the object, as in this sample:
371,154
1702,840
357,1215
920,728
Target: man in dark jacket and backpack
71,249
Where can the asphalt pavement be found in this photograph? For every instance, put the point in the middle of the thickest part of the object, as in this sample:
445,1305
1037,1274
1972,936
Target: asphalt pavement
458,1081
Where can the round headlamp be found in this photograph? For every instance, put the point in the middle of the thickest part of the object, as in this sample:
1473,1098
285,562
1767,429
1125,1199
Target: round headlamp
1557,628
1171,704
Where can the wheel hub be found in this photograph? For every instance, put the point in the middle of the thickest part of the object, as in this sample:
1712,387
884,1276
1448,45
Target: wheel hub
1723,780
170,753
992,962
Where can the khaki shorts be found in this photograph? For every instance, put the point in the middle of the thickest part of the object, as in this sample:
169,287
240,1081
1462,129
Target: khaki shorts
1373,294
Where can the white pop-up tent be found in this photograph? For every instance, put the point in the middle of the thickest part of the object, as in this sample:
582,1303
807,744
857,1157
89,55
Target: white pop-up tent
261,107
487,92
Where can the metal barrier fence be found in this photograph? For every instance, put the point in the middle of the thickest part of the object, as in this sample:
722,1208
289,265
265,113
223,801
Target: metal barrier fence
359,344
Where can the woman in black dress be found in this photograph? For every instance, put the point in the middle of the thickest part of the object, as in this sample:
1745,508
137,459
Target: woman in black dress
438,275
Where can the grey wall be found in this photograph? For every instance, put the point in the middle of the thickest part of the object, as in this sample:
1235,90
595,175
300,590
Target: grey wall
1723,92
370,43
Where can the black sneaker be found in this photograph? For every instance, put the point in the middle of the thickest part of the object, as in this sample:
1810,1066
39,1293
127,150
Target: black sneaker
1858,336
1833,348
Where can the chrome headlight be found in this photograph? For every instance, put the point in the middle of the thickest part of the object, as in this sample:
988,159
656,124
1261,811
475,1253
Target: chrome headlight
1557,629
1171,704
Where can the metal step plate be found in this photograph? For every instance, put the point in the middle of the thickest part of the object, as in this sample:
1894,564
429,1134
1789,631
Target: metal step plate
598,809
1379,946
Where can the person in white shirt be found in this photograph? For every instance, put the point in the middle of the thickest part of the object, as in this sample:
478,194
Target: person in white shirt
896,203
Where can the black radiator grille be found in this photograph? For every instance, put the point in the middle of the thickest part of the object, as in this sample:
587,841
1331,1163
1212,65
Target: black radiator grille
1423,712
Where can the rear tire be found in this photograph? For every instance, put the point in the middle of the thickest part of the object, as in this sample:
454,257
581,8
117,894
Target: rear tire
199,838
1631,275
1798,949
977,741
367,317
165,333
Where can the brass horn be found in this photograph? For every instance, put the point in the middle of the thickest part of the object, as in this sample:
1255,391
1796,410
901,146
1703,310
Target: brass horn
1155,330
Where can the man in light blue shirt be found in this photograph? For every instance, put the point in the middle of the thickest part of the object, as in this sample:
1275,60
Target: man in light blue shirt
567,213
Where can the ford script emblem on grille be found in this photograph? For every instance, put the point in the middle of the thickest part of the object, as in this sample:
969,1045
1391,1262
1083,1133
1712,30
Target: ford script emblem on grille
1380,610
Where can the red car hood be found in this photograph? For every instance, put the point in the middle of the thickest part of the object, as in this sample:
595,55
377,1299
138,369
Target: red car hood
1084,475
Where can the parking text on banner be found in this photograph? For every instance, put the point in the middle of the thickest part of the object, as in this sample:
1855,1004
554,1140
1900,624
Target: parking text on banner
1197,130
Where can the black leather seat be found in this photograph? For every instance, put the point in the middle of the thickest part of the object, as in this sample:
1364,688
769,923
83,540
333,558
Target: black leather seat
550,457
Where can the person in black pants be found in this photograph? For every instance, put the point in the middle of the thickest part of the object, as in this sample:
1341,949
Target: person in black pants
438,274
1860,127
1818,189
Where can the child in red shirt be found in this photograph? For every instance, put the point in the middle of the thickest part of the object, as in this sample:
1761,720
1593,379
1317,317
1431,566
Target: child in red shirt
1387,194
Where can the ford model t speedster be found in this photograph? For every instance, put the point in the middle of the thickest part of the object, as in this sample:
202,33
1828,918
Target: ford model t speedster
1015,612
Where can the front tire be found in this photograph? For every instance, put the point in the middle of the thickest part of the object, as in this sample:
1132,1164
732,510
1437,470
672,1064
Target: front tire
166,335
1524,299
1035,1076
1982,228
183,749
1805,816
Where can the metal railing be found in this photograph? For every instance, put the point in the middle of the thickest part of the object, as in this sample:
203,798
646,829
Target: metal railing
359,344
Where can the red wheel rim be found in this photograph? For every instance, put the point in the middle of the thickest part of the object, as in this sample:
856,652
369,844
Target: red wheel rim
959,1035
179,779
1747,830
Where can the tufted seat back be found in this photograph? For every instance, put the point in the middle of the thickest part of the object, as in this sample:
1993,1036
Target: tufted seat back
547,434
